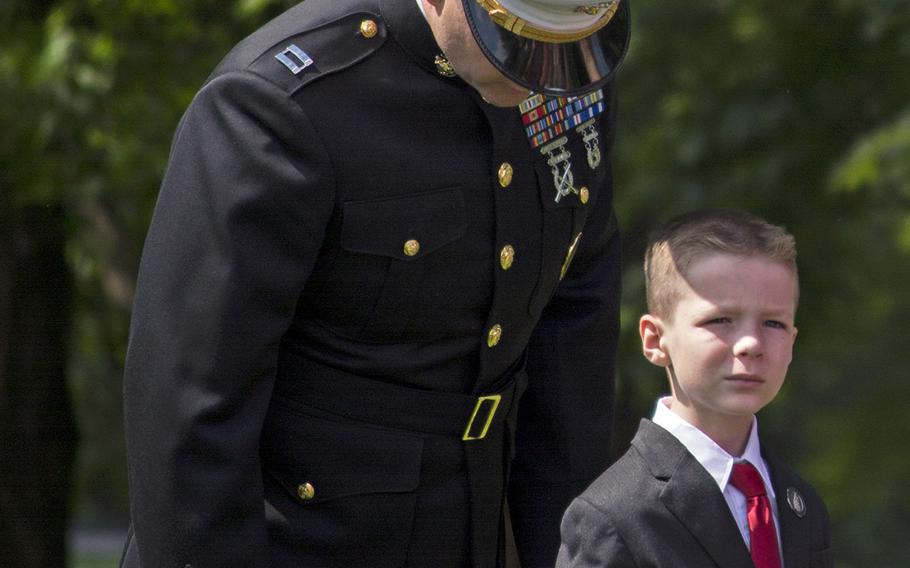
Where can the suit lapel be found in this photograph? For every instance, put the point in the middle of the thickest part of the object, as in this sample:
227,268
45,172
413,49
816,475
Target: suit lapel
795,531
693,497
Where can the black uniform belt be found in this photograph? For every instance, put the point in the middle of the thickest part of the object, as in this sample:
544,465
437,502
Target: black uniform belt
378,402
484,422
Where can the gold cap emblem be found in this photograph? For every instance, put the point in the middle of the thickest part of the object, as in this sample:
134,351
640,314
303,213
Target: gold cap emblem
540,26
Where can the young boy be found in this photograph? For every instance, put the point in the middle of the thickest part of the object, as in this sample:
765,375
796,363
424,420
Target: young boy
696,489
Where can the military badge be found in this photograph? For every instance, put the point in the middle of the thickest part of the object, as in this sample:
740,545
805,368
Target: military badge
443,67
294,58
546,120
558,160
591,137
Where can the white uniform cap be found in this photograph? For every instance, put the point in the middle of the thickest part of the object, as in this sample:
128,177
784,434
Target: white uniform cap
560,15
554,47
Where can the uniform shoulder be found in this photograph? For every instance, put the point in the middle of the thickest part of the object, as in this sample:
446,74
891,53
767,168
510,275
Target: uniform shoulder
311,40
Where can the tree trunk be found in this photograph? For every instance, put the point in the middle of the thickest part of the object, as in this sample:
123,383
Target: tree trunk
37,428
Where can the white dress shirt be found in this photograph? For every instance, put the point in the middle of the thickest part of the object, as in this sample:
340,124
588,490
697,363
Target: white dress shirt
719,463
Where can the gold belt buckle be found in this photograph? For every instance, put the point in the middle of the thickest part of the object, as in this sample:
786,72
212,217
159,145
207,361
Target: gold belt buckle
494,399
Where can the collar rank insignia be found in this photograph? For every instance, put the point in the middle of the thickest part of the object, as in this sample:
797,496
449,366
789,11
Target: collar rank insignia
294,58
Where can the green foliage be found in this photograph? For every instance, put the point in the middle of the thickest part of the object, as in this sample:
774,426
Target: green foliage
92,92
795,110
96,562
878,162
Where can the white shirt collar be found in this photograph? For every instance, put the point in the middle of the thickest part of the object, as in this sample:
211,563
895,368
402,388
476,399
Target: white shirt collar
712,457
420,5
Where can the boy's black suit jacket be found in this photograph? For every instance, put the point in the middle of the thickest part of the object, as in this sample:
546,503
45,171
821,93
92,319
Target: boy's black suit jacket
657,506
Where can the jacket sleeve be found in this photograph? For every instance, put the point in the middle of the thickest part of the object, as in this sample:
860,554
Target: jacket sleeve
562,438
239,219
590,540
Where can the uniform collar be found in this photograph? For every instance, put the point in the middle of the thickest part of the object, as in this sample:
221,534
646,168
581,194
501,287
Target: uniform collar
408,26
712,457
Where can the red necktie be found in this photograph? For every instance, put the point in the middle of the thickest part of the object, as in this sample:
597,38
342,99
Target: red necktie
762,533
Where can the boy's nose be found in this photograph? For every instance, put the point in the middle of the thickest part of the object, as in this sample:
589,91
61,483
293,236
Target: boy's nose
748,345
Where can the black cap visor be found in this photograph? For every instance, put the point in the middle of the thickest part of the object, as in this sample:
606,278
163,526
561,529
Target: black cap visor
555,69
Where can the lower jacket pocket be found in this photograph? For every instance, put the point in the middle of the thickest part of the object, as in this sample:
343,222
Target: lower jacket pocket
338,493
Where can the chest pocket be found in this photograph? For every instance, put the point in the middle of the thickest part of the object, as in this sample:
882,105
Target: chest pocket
396,243
569,181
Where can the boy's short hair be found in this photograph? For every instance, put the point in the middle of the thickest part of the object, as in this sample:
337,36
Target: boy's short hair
692,236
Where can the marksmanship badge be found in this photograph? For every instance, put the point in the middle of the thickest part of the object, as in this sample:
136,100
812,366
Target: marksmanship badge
558,160
590,135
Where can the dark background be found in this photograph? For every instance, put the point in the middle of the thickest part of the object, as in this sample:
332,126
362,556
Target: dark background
798,111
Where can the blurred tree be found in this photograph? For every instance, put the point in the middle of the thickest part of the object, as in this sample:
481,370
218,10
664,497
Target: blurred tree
37,426
92,92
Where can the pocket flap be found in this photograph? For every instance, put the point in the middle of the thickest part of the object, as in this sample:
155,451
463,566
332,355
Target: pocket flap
384,226
337,459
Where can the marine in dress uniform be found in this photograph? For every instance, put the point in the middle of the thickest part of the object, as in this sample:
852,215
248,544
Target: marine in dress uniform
371,305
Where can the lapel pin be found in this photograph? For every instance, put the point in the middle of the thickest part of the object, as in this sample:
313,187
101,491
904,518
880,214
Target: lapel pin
796,502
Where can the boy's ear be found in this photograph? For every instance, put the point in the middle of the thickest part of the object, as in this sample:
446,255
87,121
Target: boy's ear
651,329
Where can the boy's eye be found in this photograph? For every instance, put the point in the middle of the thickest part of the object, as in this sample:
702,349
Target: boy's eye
775,324
719,320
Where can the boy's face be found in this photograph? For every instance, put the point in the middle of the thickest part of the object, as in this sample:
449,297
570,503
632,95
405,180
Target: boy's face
729,341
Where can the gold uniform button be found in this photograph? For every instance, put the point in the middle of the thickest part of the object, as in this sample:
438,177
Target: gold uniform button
411,247
494,336
369,29
505,174
584,195
306,491
506,257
